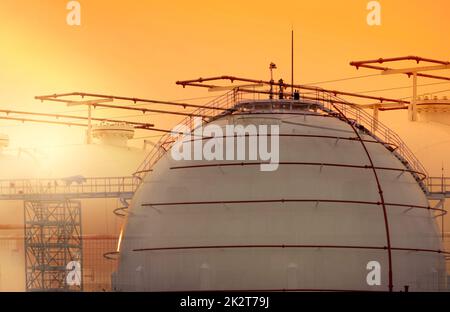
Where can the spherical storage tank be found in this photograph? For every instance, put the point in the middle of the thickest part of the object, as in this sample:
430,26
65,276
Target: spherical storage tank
341,210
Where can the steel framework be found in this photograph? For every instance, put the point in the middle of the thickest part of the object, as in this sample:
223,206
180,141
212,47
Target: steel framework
412,71
53,245
67,188
326,101
53,240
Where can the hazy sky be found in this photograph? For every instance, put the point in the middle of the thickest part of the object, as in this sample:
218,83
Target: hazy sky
140,48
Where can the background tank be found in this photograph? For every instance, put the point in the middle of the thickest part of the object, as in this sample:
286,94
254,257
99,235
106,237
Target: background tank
429,139
313,224
109,156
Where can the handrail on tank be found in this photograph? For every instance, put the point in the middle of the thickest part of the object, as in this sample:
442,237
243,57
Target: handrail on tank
213,109
373,127
327,100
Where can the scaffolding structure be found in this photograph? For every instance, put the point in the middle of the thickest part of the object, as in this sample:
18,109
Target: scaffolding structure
53,238
53,245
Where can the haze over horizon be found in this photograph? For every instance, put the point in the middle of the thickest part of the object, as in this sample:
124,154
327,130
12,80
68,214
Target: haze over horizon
140,49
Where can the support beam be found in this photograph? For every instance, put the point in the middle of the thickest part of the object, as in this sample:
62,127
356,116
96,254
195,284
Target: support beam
411,71
412,109
375,119
62,116
59,98
199,83
414,69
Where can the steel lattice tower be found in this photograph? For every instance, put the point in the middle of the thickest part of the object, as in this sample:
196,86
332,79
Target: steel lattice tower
53,241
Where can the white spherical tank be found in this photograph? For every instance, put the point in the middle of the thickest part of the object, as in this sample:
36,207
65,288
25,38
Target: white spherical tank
322,221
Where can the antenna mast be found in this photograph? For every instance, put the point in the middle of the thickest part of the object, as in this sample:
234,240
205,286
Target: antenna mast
292,62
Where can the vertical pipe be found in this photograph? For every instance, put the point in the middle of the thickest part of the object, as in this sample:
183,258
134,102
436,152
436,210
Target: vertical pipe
412,106
81,258
41,234
89,129
443,221
271,82
25,245
443,204
292,62
375,119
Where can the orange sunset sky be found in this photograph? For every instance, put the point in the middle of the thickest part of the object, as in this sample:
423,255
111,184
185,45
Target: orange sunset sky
140,48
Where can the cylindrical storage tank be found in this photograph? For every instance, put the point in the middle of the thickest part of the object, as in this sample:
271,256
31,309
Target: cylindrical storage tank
434,109
325,219
429,139
113,134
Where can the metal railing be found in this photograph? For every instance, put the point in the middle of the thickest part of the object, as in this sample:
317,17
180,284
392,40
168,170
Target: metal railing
376,128
327,102
438,185
79,187
226,101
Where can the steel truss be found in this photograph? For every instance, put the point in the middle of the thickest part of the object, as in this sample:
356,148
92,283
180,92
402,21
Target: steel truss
53,240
